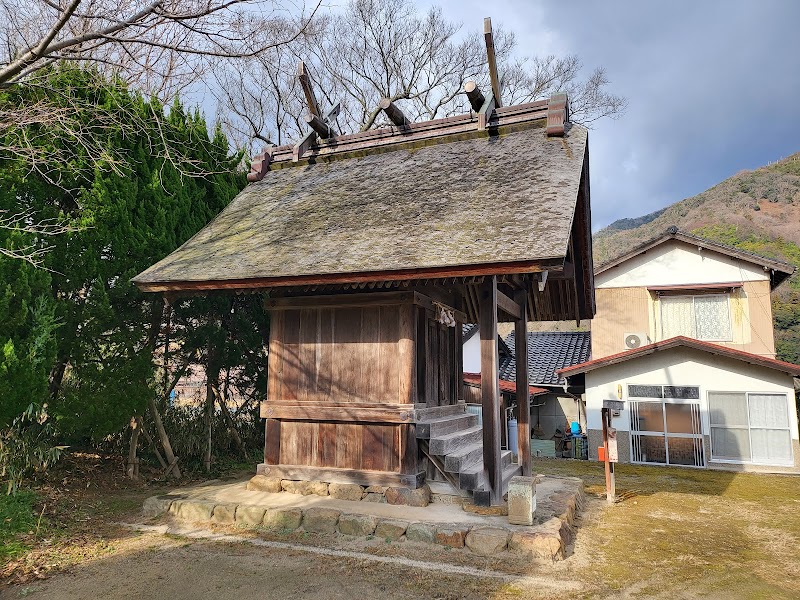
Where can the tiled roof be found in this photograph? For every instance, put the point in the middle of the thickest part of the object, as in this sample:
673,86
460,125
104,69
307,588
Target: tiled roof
505,386
754,359
468,330
547,353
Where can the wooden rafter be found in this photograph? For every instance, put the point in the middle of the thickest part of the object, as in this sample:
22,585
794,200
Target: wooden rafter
507,305
395,115
492,59
308,91
475,95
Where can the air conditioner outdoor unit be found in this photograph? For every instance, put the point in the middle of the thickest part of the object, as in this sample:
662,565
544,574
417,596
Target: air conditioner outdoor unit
636,340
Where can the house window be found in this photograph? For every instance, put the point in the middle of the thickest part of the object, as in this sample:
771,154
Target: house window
705,317
749,427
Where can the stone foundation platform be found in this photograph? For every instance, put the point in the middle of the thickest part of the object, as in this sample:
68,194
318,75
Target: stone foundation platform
447,524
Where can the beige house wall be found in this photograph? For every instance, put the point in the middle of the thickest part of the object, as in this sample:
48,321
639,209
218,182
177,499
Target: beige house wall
636,310
619,311
751,312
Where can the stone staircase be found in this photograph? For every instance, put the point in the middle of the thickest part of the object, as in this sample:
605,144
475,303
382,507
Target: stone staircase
453,440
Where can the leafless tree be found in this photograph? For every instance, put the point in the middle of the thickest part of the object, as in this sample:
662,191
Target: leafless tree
157,45
260,100
386,48
527,80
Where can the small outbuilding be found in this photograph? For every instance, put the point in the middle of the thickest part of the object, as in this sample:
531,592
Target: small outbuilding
374,249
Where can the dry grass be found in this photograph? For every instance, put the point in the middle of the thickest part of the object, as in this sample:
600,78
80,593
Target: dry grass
683,529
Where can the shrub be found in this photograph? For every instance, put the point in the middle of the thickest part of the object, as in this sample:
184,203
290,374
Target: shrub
26,447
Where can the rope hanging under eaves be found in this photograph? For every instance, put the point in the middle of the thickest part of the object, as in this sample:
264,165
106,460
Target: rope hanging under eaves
444,314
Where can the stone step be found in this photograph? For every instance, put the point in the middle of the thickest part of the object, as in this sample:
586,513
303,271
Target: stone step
443,425
473,476
422,412
452,442
458,461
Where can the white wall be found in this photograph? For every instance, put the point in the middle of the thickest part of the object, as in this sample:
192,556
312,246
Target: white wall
678,263
684,366
472,354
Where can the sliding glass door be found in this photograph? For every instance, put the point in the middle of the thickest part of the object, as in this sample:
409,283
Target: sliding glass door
666,429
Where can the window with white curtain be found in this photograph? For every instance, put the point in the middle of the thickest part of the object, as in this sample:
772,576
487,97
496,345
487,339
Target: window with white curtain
749,427
705,317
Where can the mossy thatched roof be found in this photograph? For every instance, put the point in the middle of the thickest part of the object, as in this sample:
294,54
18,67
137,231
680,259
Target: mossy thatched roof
475,199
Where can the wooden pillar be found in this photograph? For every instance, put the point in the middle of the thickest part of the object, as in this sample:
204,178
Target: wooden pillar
490,388
523,396
409,456
459,364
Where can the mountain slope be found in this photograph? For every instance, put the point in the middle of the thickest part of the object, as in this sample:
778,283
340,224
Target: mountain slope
758,211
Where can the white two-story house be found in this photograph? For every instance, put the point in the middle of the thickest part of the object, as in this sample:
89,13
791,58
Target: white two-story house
684,336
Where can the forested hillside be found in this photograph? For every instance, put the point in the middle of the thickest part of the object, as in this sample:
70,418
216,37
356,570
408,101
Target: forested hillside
758,211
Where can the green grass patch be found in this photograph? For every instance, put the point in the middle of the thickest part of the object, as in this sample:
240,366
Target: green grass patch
18,520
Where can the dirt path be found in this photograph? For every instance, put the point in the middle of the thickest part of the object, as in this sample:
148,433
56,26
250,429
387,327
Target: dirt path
156,566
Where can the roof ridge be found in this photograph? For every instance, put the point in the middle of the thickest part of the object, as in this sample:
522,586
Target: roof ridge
681,340
674,233
549,114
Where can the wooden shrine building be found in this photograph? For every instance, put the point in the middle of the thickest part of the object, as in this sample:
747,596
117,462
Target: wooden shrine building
374,248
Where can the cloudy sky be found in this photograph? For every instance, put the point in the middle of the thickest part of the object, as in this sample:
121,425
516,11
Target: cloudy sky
713,87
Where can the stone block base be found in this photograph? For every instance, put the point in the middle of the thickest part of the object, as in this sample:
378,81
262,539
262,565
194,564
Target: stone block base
402,496
560,500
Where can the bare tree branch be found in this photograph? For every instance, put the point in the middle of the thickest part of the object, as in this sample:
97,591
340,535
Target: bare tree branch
36,246
103,30
378,49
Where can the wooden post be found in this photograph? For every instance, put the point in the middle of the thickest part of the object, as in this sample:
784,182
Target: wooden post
308,91
475,96
611,492
490,389
492,59
409,455
523,393
395,115
321,128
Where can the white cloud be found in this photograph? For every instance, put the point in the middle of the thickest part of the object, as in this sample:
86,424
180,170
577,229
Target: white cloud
712,88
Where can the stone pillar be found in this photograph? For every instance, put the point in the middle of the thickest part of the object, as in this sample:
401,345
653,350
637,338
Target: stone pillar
521,500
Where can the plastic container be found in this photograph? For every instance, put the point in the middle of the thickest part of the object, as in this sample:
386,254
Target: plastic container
575,428
513,442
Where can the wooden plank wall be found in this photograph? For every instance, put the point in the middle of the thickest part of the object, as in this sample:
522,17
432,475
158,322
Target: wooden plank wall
361,446
337,355
352,360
